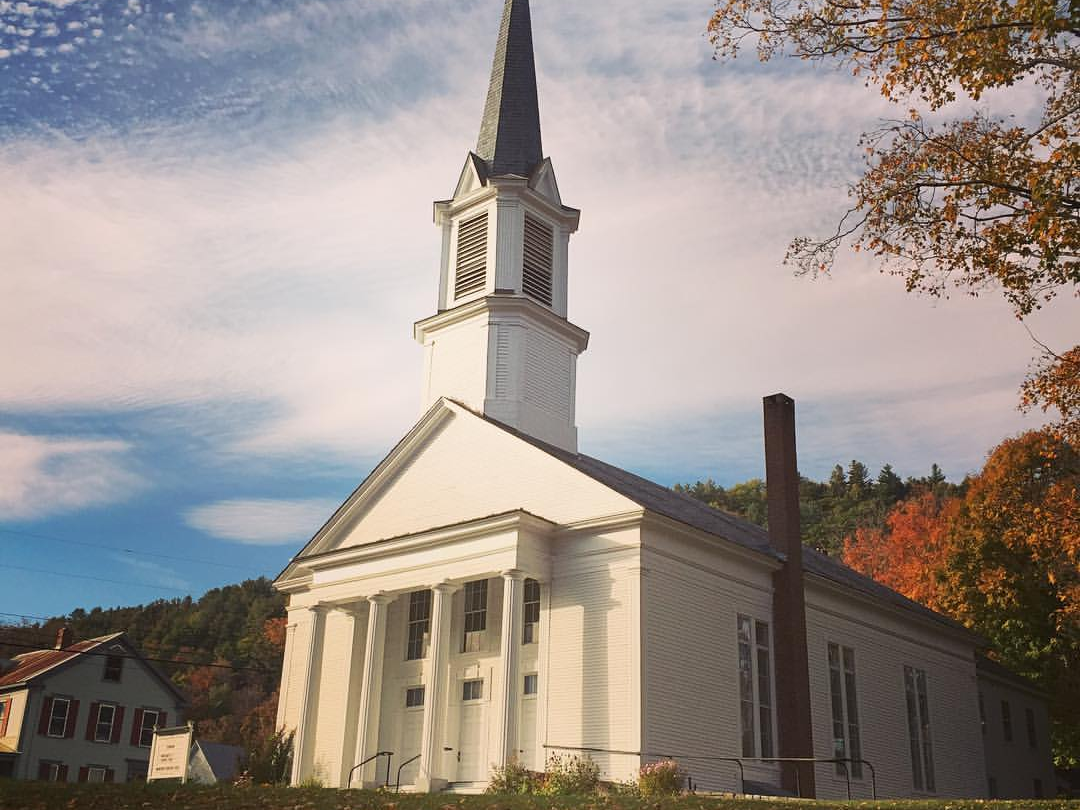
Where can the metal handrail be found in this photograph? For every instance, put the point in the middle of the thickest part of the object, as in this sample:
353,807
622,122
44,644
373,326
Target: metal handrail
389,756
739,762
401,767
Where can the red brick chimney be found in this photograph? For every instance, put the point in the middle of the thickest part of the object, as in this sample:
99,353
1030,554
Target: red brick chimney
796,737
63,638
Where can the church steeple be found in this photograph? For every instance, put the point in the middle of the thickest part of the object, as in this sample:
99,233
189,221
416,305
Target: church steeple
501,342
510,133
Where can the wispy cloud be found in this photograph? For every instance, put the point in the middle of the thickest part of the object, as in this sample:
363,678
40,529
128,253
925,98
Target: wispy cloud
262,521
44,475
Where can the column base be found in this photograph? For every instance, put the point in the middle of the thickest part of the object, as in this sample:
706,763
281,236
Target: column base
430,784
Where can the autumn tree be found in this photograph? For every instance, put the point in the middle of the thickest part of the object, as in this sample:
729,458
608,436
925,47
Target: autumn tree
1013,570
972,203
909,549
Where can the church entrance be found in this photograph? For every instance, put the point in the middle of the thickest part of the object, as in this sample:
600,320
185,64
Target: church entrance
472,749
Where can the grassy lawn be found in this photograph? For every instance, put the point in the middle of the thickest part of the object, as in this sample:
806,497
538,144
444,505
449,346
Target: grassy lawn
44,796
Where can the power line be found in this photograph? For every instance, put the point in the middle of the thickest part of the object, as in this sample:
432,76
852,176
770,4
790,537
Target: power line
95,579
25,616
54,539
40,648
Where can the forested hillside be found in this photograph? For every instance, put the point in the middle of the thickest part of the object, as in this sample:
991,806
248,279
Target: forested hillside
223,651
832,510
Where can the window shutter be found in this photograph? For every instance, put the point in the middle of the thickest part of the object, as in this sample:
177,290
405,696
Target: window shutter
62,773
117,724
471,273
91,721
109,774
43,771
46,710
7,716
161,720
84,774
537,267
136,727
73,714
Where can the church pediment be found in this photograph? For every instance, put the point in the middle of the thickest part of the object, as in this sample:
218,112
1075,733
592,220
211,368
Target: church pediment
452,468
473,177
543,182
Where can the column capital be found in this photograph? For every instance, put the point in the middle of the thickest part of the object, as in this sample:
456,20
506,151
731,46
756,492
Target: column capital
513,573
381,599
446,587
321,608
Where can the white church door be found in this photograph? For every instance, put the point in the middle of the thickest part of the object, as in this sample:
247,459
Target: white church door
472,735
527,734
412,733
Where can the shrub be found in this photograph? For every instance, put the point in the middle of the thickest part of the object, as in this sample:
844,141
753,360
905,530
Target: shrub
570,776
513,778
269,761
663,778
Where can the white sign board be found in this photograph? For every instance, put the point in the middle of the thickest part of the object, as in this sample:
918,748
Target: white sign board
169,753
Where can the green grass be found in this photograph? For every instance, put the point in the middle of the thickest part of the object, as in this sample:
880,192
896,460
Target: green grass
46,796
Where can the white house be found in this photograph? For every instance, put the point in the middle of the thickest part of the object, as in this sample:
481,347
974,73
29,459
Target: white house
490,593
82,712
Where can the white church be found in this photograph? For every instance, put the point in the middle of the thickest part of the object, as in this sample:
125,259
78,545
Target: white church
490,594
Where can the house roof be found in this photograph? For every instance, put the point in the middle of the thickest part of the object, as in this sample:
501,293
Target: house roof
509,140
224,760
34,666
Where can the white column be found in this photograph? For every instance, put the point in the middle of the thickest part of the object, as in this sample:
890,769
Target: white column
431,778
305,722
354,663
510,654
367,731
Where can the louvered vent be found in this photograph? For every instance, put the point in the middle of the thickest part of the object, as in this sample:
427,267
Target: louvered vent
536,272
471,256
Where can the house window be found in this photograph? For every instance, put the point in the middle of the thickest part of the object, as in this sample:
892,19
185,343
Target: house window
531,684
845,711
114,665
414,697
475,614
472,690
95,773
136,770
103,728
5,711
472,246
1033,738
58,717
52,771
419,624
918,717
982,713
531,617
755,688
539,249
146,728
1006,721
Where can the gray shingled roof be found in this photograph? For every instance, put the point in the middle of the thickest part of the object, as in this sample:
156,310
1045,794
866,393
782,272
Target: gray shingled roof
694,513
510,133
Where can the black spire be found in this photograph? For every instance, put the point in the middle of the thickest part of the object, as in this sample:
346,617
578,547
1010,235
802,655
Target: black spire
510,133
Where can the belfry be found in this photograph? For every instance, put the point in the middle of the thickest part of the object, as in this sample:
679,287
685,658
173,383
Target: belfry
501,343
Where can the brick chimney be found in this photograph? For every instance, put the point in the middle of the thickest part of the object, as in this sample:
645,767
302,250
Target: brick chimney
63,638
796,738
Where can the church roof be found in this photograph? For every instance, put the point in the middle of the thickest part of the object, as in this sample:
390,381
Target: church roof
694,513
510,132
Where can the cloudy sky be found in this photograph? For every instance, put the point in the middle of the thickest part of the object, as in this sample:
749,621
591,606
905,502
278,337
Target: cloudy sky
215,224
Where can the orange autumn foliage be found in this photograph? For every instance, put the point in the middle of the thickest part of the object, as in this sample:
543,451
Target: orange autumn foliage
914,545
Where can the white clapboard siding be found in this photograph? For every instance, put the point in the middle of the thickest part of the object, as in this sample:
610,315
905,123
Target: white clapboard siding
884,643
470,469
1016,764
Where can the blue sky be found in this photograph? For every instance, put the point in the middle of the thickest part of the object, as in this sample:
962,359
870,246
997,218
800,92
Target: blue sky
217,234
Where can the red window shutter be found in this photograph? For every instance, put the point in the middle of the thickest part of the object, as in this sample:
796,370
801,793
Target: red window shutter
61,773
7,716
43,771
136,727
91,721
46,710
84,774
117,724
161,720
109,773
73,714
